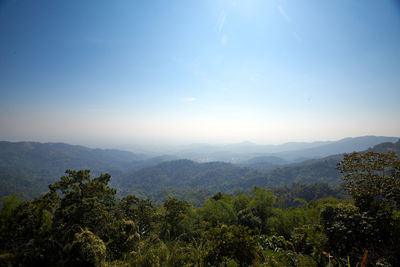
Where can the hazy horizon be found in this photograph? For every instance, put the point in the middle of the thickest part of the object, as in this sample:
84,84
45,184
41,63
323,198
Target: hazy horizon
165,148
101,73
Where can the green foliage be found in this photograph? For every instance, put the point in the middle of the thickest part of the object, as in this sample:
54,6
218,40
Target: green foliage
247,218
174,213
286,258
240,202
275,243
231,242
309,240
183,176
288,195
26,168
82,222
154,252
218,209
282,222
9,204
87,249
277,251
150,252
26,235
86,203
140,211
123,238
372,178
261,205
347,229
351,231
371,224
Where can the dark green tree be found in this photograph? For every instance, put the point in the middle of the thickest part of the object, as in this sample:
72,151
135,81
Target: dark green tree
140,211
218,209
85,203
26,236
372,223
87,249
232,243
89,203
174,213
372,178
261,206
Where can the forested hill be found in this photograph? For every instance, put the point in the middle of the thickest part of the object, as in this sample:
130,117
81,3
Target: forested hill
346,145
248,153
27,168
311,171
81,221
60,155
182,175
387,147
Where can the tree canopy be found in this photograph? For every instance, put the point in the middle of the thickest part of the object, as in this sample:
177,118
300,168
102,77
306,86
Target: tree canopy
81,221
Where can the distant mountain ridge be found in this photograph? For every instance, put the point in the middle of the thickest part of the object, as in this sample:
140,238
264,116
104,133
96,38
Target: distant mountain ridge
312,171
28,167
226,177
264,163
64,155
346,145
290,152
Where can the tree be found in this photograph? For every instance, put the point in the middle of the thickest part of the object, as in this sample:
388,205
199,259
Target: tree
26,234
372,178
261,205
87,249
90,204
231,242
372,223
218,209
84,201
240,202
175,211
140,211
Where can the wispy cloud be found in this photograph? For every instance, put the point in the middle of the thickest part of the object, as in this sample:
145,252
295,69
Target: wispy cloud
284,14
189,99
221,21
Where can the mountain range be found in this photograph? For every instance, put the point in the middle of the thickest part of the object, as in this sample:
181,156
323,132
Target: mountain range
289,152
181,175
26,168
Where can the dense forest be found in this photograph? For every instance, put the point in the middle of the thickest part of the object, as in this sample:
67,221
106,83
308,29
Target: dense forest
27,168
217,133
81,221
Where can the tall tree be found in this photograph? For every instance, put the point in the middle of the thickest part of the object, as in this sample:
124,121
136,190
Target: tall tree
261,205
373,222
372,178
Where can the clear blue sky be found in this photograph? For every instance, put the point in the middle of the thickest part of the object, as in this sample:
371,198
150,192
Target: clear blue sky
119,72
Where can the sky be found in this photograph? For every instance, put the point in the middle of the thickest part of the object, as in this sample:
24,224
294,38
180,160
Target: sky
110,73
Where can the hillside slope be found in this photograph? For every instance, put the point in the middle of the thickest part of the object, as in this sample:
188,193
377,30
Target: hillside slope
291,152
27,168
181,175
311,171
185,174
